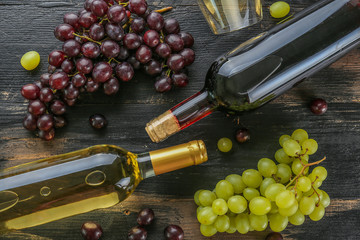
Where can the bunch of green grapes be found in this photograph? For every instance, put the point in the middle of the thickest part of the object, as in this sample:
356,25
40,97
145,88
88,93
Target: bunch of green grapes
273,195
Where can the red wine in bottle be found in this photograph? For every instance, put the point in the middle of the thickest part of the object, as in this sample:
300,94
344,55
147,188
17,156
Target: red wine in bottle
267,65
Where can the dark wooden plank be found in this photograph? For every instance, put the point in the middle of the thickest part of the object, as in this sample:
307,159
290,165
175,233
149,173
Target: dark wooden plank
28,25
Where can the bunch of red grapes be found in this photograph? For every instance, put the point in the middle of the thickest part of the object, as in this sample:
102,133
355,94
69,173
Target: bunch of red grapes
103,45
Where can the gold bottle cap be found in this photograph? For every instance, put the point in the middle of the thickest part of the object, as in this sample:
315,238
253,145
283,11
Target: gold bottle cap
177,157
162,127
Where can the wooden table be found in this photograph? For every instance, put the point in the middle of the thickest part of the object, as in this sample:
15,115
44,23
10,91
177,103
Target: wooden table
28,25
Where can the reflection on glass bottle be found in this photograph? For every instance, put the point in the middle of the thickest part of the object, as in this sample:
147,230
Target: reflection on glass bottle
97,177
267,65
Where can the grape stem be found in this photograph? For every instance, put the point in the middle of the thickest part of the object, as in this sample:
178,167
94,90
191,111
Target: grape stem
164,9
303,169
124,4
89,39
318,202
113,59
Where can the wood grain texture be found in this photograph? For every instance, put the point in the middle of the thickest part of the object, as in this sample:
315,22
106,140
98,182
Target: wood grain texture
28,25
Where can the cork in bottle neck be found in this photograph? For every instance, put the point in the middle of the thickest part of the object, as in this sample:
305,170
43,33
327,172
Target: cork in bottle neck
162,127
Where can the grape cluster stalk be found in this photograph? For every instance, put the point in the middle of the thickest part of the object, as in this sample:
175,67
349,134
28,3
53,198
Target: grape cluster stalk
103,45
272,195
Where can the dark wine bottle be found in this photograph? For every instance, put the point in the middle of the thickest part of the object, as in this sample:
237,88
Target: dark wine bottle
267,65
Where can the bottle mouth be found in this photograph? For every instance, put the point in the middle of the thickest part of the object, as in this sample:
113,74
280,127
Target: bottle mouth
162,127
198,149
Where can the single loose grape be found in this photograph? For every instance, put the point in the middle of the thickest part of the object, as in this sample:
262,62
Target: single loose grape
297,219
237,183
273,190
237,204
285,199
259,223
292,147
307,205
219,206
224,144
196,197
267,167
320,172
277,222
30,60
222,223
206,198
208,230
224,189
287,212
318,106
304,184
206,216
250,193
283,172
252,178
279,9
283,138
232,228
282,157
259,205
242,223
299,135
309,146
265,183
318,213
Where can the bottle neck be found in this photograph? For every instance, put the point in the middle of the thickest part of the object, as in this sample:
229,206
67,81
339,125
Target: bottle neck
181,116
172,158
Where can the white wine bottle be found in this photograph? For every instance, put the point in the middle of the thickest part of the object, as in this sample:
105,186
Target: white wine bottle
96,177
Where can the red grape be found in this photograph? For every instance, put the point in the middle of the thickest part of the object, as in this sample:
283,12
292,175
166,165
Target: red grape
97,32
99,8
64,32
30,91
78,80
47,135
67,65
176,62
151,38
72,19
171,25
173,232
318,106
242,135
46,95
102,72
84,65
274,236
112,86
110,48
90,50
187,38
132,41
44,78
124,71
30,122
143,54
91,85
116,14
114,31
155,21
45,122
71,48
36,107
137,6
145,217
137,233
87,19
56,58
123,54
180,79
138,25
91,231
153,67
71,92
163,50
163,84
58,107
59,80
175,42
98,121
188,55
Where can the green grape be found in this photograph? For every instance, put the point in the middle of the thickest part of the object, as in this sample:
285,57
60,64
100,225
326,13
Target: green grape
279,9
297,192
222,223
250,193
30,60
285,199
297,219
206,216
196,197
242,223
206,198
304,184
318,195
277,222
300,135
252,178
282,157
283,172
260,206
304,158
309,146
274,207
287,212
320,172
283,138
237,204
265,183
273,190
224,144
198,209
296,167
219,206
259,223
208,230
232,228
292,148
267,167
224,189
325,201
237,183
318,213
316,182
307,205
